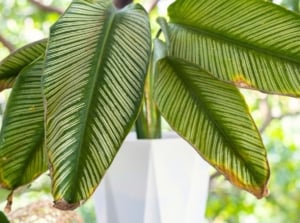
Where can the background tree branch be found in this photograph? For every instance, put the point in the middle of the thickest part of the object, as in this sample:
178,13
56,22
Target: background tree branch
6,43
47,8
269,117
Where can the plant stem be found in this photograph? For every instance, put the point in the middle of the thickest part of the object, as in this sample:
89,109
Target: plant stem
148,123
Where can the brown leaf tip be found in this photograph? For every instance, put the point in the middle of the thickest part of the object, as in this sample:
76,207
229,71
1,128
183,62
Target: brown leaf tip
259,191
9,202
264,193
65,206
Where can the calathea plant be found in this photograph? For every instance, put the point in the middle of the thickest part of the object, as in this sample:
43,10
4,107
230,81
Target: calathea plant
76,95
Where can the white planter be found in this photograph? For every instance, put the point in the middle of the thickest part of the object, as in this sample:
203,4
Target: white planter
154,181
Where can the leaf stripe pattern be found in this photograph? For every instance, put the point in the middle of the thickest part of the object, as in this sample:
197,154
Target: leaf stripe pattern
252,43
93,82
22,157
213,117
12,65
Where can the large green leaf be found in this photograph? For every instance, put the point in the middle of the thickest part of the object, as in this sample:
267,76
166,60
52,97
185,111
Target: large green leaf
253,43
95,70
22,157
213,117
11,66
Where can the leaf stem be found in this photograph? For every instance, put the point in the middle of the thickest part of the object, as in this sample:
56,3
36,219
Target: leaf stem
148,123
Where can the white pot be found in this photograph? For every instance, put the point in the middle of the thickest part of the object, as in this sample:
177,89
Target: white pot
154,181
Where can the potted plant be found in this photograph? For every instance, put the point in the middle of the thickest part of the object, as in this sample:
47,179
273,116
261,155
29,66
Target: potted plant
76,95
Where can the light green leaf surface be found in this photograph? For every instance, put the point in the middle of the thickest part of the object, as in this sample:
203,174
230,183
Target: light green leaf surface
253,43
95,70
22,157
12,65
212,116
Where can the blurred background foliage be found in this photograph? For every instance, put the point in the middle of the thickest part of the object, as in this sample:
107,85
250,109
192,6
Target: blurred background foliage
277,117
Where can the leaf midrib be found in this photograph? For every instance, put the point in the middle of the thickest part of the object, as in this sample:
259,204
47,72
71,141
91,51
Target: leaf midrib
191,89
99,57
234,41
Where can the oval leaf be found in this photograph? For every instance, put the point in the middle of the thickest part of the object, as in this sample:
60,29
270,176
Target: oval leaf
22,157
254,44
95,70
213,117
11,66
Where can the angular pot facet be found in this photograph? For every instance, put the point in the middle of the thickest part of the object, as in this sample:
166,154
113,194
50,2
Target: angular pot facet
154,181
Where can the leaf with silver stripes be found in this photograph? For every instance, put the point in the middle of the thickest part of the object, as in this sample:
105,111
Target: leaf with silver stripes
12,65
94,76
22,157
213,117
252,43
